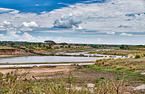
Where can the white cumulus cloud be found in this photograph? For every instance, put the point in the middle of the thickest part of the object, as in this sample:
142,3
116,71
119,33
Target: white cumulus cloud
125,34
111,33
67,22
27,36
6,23
29,24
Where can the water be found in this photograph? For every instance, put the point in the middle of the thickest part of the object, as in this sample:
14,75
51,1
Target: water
31,59
36,59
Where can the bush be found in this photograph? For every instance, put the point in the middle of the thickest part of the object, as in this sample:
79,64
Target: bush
56,47
102,78
31,47
117,78
137,56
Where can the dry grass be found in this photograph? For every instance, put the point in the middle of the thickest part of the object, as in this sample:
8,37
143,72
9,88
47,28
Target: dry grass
131,65
16,83
63,80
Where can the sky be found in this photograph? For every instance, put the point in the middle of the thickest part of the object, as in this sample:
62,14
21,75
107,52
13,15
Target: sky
73,21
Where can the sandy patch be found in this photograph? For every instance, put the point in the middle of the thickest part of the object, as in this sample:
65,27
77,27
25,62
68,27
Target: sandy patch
8,55
40,70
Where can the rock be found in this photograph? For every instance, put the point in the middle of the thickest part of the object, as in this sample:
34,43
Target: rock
143,73
90,85
139,87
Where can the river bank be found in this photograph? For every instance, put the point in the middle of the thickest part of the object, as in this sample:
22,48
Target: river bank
9,56
76,76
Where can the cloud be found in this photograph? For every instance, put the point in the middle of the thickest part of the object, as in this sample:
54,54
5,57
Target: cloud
12,32
1,35
57,31
2,28
5,10
67,22
6,23
27,36
12,35
18,31
121,26
98,39
111,33
31,24
25,29
125,34
14,12
104,17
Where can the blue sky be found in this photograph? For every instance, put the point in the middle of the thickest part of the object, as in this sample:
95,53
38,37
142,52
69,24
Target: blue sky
73,21
37,6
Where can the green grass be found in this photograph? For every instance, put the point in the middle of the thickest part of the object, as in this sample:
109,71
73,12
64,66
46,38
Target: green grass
93,67
138,78
126,66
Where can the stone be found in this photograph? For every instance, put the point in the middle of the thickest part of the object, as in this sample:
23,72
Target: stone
90,85
143,73
139,87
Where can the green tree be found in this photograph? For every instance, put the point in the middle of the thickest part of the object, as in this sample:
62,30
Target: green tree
12,43
122,47
39,44
50,43
69,46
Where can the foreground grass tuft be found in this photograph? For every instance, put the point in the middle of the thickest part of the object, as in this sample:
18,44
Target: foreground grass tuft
20,83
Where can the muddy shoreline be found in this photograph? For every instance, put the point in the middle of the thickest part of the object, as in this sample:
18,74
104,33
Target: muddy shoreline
9,56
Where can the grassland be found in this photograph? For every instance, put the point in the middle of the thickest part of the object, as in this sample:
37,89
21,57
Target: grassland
130,65
64,80
108,76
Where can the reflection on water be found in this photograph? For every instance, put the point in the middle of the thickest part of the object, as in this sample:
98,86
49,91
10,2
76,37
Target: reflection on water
29,59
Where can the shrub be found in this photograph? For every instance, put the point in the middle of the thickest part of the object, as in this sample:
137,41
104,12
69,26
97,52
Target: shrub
31,47
120,68
81,55
56,47
96,80
103,61
117,78
102,78
137,56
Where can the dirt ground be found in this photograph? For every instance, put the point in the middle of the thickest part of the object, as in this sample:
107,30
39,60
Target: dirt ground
1,56
41,71
81,74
